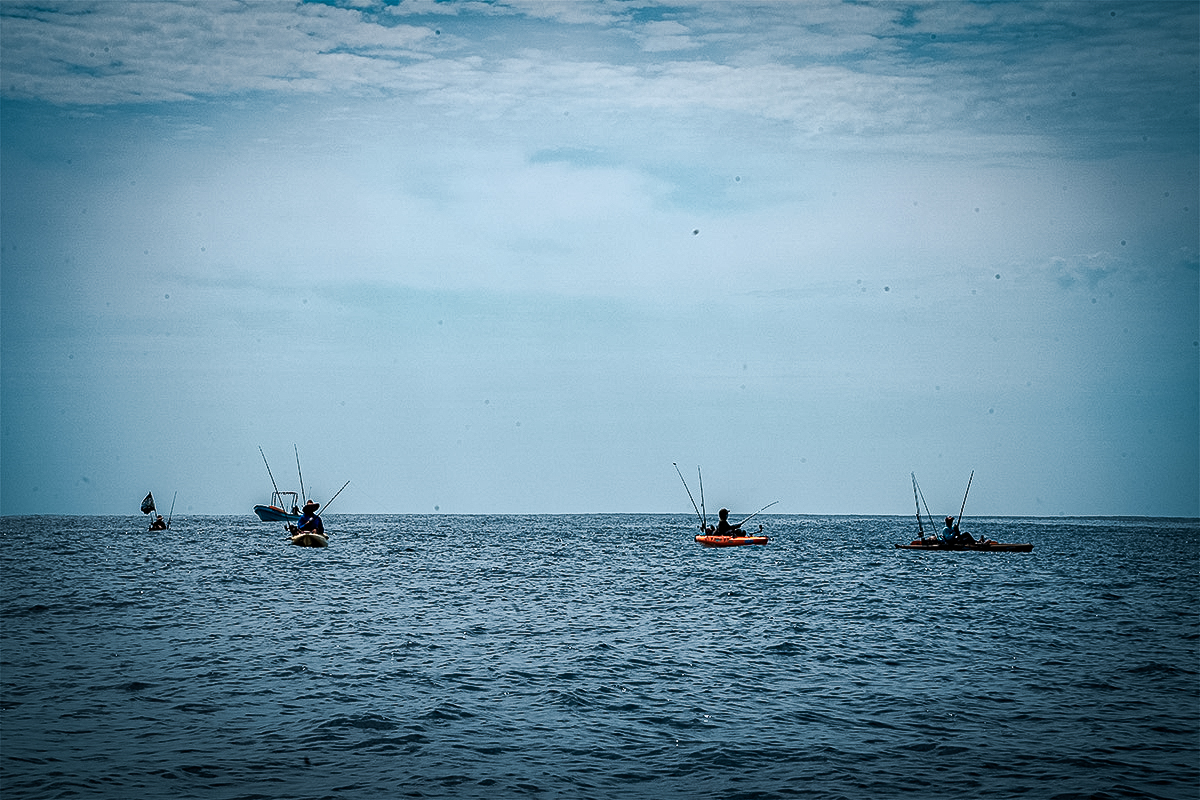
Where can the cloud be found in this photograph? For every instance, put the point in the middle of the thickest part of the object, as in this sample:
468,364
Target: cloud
103,53
851,231
1082,74
1087,270
657,37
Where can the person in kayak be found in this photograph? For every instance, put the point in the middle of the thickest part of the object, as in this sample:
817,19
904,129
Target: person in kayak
309,522
948,532
725,529
723,526
952,535
159,524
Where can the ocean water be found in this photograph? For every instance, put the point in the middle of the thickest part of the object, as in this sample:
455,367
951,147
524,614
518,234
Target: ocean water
597,657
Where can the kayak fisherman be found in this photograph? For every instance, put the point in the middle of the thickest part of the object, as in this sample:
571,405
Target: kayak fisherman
725,529
950,531
159,524
309,522
723,526
952,535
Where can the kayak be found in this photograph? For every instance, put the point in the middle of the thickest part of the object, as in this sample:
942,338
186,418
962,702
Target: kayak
729,541
982,547
309,539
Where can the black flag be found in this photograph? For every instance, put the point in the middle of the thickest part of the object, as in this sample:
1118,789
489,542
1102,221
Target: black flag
148,503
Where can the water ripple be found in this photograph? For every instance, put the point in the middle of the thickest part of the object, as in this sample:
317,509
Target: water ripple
597,657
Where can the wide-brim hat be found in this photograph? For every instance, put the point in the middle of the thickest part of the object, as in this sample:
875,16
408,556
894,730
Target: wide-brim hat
311,505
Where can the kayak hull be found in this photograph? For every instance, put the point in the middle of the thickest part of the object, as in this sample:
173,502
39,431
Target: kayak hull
309,539
979,547
275,514
730,541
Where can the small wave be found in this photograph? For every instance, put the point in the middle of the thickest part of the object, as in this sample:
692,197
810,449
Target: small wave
447,711
1156,668
464,669
371,722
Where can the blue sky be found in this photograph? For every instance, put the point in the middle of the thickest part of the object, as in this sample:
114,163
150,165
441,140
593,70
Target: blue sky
524,256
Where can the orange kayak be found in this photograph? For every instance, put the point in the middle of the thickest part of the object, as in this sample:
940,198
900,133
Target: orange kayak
729,541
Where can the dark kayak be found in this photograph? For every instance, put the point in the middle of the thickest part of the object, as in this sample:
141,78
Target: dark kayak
983,547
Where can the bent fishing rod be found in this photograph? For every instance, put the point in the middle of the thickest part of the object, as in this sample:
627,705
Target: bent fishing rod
755,514
699,517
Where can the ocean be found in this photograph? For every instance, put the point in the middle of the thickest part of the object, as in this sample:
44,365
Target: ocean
605,656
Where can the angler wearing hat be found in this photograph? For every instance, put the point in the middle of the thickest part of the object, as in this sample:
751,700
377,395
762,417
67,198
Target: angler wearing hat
952,535
309,521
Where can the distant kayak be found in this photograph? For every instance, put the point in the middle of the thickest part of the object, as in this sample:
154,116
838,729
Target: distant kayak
952,539
982,547
712,540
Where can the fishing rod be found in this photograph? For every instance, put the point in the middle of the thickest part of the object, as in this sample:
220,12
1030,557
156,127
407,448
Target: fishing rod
928,513
920,527
172,509
703,511
339,491
699,516
272,477
298,472
964,502
755,514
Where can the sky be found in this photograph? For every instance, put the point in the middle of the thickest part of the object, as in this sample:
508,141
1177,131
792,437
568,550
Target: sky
526,257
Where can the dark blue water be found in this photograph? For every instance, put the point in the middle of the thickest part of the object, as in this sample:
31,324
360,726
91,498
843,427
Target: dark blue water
597,657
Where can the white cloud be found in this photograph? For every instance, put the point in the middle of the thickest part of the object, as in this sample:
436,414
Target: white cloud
869,72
